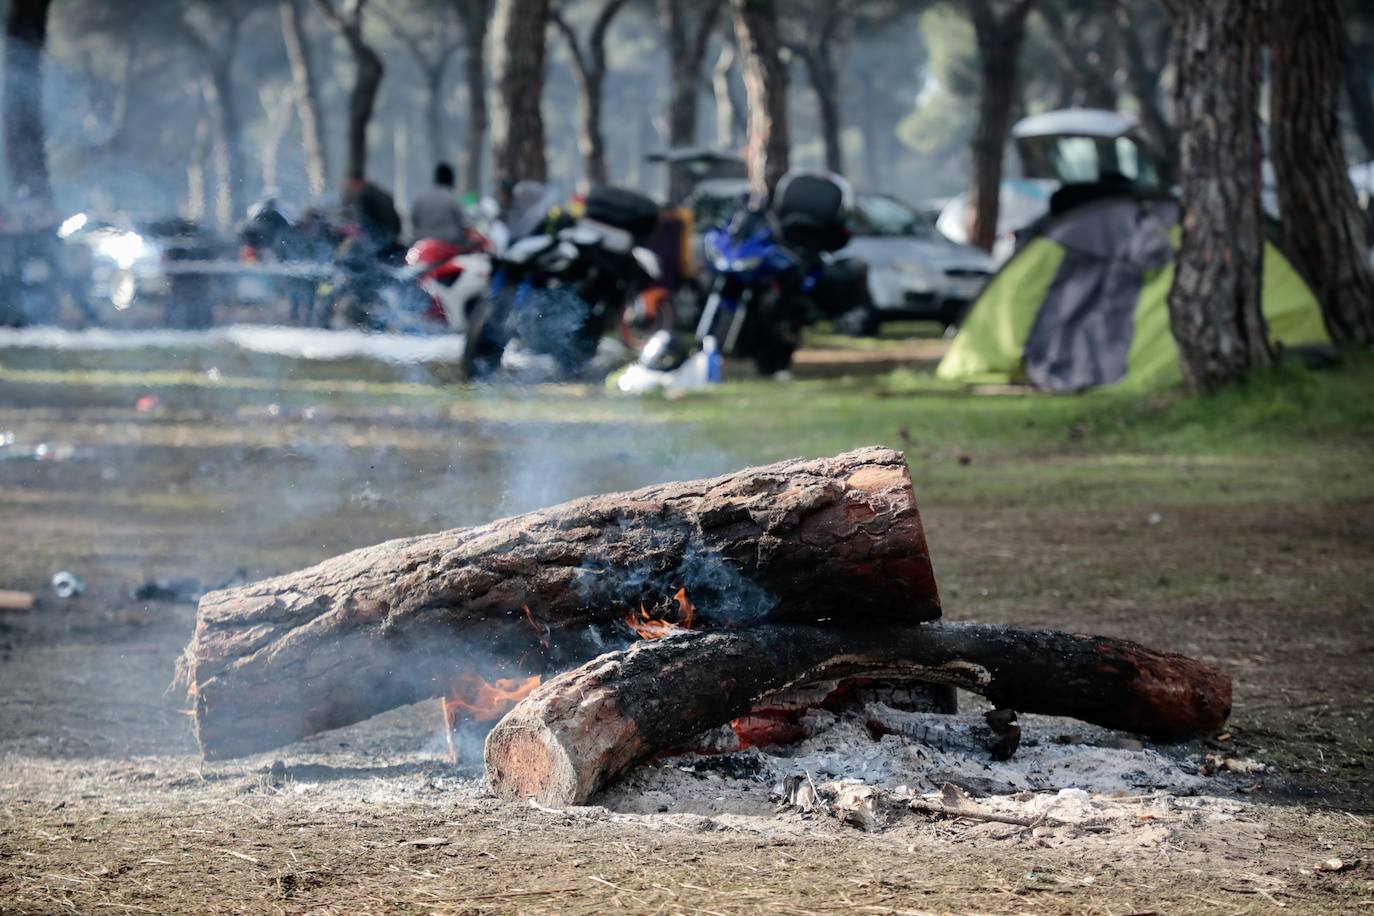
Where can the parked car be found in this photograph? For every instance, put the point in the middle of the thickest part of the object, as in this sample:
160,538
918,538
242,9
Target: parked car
1069,146
914,273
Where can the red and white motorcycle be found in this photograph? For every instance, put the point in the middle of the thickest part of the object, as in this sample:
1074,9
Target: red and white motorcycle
454,276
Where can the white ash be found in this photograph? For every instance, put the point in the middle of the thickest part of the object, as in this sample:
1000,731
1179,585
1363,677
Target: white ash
1061,764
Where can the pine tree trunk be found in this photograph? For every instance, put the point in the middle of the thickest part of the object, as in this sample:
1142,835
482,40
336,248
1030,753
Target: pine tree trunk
999,55
307,97
228,150
1324,232
726,135
1143,82
26,153
1214,305
517,125
474,13
686,40
362,99
820,69
765,82
590,139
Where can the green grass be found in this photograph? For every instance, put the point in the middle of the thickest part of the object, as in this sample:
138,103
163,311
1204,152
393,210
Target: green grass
1288,434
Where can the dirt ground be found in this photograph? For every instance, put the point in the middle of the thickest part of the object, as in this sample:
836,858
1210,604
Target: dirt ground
107,807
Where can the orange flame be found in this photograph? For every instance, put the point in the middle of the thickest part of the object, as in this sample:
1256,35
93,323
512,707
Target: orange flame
543,631
686,611
472,699
655,628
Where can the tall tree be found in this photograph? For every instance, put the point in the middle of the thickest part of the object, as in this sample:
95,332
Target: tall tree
816,48
589,71
26,137
431,47
687,28
368,71
1214,304
765,83
1324,231
1142,39
1079,40
213,30
517,125
1000,29
307,96
474,15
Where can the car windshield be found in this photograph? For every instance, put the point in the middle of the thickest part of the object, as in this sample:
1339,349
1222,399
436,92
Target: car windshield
876,215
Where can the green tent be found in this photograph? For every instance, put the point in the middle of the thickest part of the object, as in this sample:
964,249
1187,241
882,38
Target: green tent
1083,304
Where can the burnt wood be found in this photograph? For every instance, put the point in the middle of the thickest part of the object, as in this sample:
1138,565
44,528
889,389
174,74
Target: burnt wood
799,541
582,729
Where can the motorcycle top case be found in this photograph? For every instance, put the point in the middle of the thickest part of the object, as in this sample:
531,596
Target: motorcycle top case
623,209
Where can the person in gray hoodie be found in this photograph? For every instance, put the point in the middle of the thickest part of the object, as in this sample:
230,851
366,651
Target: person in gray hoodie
437,214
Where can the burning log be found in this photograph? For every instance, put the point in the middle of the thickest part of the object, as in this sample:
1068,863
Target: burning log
580,730
798,541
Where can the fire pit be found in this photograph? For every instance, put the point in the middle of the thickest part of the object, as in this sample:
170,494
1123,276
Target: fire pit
610,631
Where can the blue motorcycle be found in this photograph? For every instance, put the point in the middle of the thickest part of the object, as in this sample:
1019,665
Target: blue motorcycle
770,273
756,308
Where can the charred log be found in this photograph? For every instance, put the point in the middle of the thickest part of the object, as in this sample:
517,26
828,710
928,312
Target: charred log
799,541
577,732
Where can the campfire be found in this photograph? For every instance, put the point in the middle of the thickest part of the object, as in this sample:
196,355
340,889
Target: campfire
810,587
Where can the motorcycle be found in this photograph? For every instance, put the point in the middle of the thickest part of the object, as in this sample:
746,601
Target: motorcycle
454,276
771,274
559,293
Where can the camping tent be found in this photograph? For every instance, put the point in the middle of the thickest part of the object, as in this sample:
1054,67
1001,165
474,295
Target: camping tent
1083,303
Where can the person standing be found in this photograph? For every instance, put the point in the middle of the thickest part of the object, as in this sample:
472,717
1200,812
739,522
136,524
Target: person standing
437,214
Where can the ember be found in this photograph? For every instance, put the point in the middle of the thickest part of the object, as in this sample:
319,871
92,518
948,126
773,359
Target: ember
648,627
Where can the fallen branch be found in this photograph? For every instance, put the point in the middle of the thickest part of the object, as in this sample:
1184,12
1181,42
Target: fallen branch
577,732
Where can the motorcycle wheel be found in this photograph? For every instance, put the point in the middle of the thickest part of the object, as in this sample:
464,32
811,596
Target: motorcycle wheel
651,312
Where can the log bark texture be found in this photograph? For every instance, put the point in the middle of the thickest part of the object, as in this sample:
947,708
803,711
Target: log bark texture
799,541
579,731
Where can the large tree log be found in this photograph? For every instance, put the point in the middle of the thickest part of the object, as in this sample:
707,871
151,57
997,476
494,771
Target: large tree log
577,732
836,538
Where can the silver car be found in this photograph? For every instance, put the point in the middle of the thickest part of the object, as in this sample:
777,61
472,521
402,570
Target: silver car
914,272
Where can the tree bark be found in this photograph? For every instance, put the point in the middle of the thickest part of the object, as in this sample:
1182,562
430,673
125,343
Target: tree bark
576,733
589,72
727,113
800,540
367,79
820,71
26,136
1324,232
765,83
999,39
474,14
1142,79
687,37
228,148
517,125
1214,304
307,97
197,190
